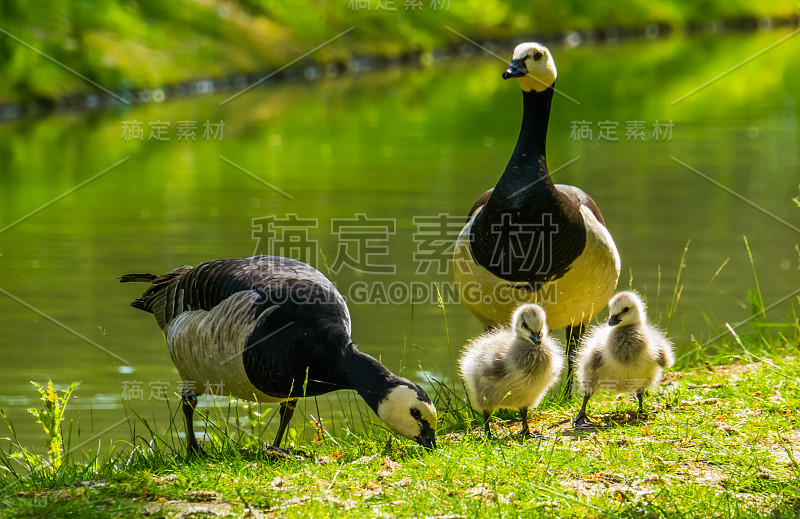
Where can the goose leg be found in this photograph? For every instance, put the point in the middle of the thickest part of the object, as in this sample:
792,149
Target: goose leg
188,404
574,335
286,412
582,420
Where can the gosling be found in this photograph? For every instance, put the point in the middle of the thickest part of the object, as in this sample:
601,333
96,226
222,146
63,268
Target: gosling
512,368
624,356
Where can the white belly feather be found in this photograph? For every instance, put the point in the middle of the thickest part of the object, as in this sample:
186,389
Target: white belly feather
574,298
207,346
621,378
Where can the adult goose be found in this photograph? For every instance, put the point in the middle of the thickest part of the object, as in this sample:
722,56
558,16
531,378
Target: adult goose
529,240
272,329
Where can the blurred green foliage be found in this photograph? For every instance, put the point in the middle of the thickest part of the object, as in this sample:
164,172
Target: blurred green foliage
146,43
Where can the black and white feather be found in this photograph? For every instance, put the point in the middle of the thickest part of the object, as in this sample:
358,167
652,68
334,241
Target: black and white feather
272,329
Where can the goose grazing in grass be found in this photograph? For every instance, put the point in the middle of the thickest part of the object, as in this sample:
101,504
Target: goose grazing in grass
624,356
273,329
529,240
512,367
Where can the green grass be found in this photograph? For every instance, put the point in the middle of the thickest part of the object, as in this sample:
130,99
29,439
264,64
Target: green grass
721,439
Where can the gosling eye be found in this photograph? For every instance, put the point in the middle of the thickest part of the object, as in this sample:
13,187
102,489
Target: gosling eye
537,55
415,414
525,326
625,310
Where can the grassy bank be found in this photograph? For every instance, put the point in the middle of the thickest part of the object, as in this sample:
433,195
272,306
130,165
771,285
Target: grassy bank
721,439
147,44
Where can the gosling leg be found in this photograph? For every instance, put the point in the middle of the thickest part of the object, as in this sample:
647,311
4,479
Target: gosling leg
640,398
582,420
523,413
486,416
526,432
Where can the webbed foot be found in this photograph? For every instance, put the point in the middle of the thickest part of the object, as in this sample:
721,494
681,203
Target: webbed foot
582,421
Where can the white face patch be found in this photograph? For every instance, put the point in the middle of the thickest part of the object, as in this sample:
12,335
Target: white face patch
635,312
395,411
541,72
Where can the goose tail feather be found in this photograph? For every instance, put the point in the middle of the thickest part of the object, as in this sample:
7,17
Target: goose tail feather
134,278
157,284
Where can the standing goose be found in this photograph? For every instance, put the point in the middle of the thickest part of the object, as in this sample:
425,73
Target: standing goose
529,240
273,329
624,356
512,367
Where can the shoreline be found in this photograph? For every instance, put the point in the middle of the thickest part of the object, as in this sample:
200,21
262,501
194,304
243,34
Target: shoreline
314,70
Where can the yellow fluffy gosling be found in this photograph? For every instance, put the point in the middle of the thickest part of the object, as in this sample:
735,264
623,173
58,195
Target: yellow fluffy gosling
624,356
512,367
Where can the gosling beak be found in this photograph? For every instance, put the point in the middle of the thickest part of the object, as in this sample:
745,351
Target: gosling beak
516,69
536,337
614,320
427,438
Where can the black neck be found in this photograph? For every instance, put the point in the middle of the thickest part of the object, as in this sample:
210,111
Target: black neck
368,377
528,163
526,195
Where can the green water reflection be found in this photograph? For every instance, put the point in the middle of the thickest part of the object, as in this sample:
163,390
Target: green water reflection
396,145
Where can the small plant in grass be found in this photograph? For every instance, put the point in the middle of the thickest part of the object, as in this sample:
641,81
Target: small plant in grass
50,417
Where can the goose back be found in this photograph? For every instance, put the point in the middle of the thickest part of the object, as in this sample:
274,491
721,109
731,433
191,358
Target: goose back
259,328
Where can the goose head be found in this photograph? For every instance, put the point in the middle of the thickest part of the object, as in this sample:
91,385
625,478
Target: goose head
530,323
533,66
408,411
626,308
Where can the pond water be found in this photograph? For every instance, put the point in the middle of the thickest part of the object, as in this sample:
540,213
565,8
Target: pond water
379,156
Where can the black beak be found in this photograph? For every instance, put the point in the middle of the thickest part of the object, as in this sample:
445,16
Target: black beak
427,438
614,320
516,69
536,337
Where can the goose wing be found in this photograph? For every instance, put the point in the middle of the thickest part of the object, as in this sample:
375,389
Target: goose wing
277,281
256,325
579,197
480,202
